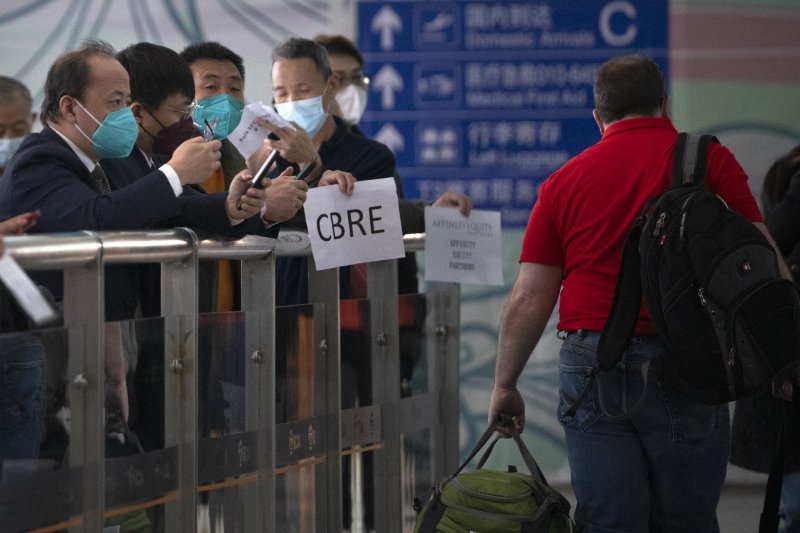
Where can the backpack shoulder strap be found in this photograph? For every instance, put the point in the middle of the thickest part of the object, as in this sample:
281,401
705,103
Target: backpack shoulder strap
625,306
689,167
690,160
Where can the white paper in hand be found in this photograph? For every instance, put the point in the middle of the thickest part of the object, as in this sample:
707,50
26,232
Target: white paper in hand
346,230
25,291
463,249
249,135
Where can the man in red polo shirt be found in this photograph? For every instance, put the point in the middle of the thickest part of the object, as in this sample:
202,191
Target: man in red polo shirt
662,467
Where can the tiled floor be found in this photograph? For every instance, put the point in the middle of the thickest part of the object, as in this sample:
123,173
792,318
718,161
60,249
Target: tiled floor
739,507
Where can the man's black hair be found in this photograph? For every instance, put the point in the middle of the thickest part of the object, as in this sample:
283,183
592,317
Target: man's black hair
10,88
339,44
156,73
70,75
212,50
628,86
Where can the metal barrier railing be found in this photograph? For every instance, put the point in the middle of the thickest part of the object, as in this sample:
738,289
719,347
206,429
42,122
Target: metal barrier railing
274,467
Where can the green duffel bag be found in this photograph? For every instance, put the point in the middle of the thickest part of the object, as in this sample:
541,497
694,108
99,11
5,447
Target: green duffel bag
494,501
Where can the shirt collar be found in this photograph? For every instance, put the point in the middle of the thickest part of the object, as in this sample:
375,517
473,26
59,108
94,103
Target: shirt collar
85,159
638,123
149,160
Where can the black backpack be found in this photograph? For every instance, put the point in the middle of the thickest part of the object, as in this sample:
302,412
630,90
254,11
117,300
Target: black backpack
712,287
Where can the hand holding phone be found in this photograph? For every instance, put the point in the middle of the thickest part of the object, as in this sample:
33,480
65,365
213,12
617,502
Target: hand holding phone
260,177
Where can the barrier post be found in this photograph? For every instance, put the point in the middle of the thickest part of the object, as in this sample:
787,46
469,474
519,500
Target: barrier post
382,287
179,308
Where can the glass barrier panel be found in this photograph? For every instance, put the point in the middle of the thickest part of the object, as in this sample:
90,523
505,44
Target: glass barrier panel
300,451
418,406
141,473
414,362
38,488
361,423
416,472
226,451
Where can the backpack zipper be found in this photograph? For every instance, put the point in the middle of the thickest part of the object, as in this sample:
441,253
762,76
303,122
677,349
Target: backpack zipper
731,342
660,222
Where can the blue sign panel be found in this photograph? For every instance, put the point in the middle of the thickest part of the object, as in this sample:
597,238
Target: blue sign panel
491,97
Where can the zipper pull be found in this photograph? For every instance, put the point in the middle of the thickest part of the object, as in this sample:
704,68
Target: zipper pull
683,224
702,296
732,357
662,219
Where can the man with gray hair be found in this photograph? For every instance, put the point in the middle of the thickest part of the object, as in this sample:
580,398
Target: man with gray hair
303,88
16,117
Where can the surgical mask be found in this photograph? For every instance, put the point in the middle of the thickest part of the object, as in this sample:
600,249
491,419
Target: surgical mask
352,101
168,139
8,148
307,113
115,136
222,112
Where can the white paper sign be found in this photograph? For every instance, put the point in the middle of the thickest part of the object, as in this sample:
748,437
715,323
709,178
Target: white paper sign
25,291
249,135
463,249
346,230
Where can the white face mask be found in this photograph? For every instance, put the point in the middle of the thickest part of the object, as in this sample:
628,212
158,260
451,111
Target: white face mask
352,101
308,113
7,149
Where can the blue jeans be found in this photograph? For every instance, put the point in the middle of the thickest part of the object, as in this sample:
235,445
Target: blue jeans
790,503
661,468
22,400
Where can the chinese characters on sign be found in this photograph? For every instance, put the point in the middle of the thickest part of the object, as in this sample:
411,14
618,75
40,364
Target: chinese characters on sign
489,98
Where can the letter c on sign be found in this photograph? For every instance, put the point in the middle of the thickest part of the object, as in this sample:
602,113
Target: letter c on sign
611,9
319,228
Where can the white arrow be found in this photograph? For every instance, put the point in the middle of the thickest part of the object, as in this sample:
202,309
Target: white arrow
392,138
387,22
387,81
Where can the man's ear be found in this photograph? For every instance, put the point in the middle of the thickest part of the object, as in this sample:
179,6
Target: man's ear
334,84
600,125
136,109
66,108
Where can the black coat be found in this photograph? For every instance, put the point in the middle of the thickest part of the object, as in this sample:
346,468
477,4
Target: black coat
756,420
46,174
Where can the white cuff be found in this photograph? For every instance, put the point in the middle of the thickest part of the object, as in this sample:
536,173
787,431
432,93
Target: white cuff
172,178
268,224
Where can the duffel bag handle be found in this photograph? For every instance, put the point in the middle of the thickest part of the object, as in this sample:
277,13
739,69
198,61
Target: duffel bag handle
508,424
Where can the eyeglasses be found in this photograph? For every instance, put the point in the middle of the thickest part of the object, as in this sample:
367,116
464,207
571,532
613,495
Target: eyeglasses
184,112
357,78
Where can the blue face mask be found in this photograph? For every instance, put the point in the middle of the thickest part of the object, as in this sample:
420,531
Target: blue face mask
7,149
115,136
307,113
221,112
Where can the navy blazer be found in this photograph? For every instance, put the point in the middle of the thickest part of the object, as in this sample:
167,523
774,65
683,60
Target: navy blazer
46,174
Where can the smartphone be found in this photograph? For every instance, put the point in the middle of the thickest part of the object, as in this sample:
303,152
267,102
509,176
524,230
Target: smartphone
306,170
258,179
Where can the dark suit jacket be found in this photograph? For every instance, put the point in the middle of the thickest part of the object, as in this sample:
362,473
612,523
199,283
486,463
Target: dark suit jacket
46,174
